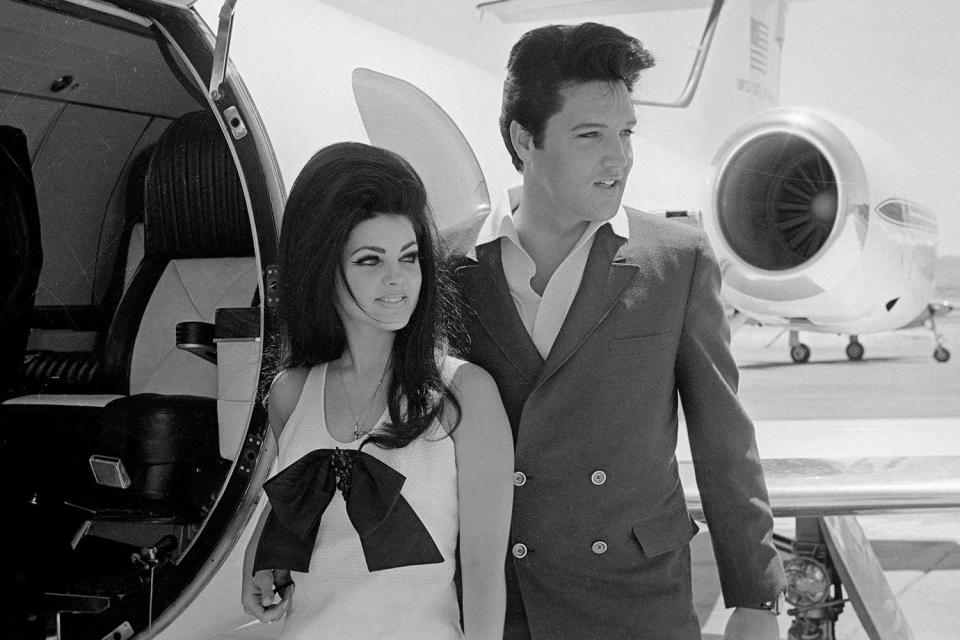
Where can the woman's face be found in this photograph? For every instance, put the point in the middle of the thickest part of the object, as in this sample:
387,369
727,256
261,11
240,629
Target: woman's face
381,266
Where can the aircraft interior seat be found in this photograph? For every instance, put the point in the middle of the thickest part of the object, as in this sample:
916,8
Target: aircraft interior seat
135,251
21,255
158,412
49,370
198,257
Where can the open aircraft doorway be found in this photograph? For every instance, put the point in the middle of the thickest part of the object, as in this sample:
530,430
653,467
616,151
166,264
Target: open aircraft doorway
141,200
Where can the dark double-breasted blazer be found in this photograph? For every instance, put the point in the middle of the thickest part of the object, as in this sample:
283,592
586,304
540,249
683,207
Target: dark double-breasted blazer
600,529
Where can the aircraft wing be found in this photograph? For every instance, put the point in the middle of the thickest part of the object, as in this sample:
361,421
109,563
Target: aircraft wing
524,10
851,466
816,487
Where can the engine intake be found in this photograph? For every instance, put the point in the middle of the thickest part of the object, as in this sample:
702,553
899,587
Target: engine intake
803,237
777,201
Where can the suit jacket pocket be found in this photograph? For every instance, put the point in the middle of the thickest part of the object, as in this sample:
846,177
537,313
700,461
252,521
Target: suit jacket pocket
665,533
640,344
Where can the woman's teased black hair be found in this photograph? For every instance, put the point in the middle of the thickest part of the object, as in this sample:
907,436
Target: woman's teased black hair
341,186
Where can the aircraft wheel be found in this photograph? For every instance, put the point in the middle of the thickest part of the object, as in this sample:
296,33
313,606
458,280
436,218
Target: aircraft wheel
800,353
855,351
940,354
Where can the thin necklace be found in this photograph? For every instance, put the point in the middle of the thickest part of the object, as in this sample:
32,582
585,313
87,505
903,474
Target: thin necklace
357,431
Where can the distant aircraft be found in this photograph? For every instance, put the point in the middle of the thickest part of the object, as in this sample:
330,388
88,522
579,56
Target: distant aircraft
815,218
140,199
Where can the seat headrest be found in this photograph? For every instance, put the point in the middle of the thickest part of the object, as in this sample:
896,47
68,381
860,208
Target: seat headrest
193,201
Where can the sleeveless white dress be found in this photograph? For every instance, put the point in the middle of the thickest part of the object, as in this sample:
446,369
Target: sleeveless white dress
339,599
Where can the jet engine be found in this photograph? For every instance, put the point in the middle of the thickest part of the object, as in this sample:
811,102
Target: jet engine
811,220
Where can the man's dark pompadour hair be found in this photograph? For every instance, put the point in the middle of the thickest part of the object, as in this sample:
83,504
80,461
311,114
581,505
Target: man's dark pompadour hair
546,59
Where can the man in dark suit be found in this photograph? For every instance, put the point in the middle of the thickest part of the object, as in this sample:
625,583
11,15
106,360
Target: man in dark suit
594,320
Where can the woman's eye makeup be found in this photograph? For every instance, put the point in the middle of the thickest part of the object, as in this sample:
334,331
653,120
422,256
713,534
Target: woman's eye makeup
371,259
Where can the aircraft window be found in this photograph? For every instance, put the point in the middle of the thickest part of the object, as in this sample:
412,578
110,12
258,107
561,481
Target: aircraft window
893,211
908,214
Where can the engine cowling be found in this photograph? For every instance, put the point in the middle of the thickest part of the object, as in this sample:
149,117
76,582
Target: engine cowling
809,215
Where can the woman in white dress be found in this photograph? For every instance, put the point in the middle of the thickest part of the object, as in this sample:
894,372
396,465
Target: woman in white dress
395,458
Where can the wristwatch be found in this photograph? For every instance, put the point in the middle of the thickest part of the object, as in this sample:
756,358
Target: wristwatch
774,606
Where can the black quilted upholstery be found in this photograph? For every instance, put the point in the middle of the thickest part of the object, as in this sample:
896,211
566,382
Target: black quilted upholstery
60,372
191,170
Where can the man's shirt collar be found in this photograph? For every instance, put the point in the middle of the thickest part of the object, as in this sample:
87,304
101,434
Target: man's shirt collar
499,224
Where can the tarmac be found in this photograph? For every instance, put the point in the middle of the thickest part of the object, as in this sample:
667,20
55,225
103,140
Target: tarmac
897,401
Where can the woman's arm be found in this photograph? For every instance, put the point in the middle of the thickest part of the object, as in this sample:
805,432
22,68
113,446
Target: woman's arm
257,589
484,451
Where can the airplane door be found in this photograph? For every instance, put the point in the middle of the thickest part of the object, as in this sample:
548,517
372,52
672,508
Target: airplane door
400,117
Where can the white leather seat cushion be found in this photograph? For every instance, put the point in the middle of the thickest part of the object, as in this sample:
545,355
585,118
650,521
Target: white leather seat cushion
65,399
188,290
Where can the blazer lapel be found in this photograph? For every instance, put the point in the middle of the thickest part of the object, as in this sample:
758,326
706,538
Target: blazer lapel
604,278
488,294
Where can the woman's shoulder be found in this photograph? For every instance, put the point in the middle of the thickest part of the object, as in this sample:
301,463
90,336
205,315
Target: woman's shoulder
461,375
284,395
481,414
472,387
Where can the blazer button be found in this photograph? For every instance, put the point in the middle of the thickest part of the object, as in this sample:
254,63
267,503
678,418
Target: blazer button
599,547
519,479
519,550
598,477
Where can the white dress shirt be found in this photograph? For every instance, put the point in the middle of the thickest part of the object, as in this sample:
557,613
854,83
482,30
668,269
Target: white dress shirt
542,316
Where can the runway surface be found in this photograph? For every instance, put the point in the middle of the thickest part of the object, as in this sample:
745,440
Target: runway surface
897,401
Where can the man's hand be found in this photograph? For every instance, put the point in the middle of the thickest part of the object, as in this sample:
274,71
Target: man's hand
752,624
259,598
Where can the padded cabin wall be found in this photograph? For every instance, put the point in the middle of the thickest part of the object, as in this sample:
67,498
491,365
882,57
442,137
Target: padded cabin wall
77,171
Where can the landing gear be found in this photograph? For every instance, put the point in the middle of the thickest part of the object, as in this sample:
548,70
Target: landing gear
940,354
813,585
799,352
854,349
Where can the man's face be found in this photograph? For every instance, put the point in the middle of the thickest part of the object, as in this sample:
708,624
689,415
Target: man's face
580,170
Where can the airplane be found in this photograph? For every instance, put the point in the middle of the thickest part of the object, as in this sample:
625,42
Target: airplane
141,200
815,218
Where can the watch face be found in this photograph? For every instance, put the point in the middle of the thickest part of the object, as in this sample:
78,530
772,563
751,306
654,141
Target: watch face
775,606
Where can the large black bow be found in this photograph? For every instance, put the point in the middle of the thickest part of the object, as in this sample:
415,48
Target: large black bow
390,532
